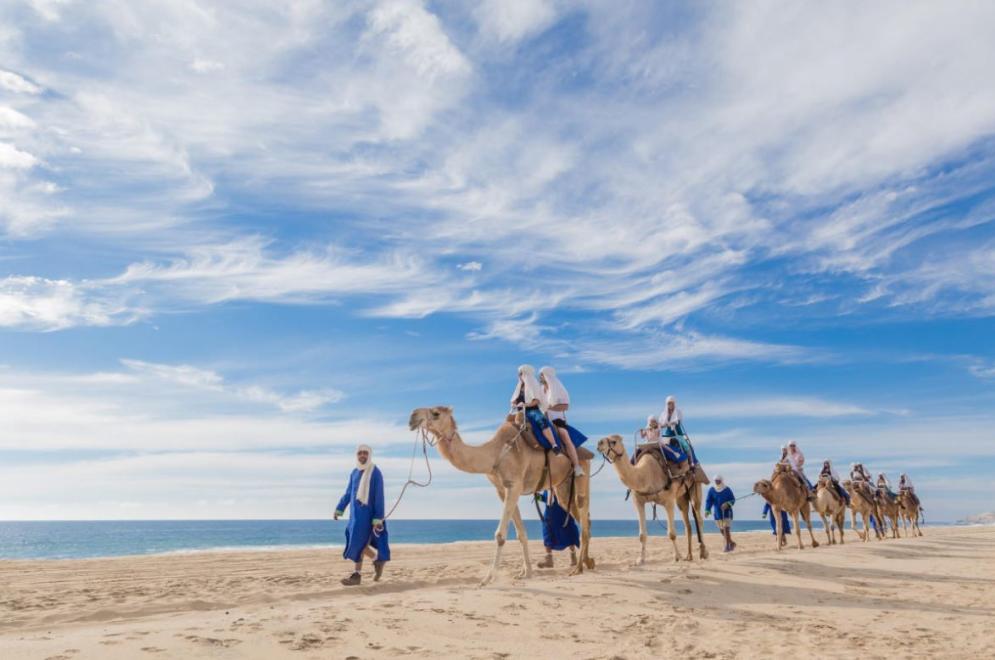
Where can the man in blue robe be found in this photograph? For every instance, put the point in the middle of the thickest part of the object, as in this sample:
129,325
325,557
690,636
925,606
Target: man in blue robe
719,503
559,532
785,521
366,530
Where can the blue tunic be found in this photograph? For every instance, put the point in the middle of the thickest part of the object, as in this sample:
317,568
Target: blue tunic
715,500
554,535
785,521
359,531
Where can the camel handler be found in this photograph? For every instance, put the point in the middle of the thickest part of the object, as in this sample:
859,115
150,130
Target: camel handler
559,531
366,530
785,521
671,422
719,503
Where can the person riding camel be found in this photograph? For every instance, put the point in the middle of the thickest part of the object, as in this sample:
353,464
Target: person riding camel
859,473
651,433
672,429
905,484
528,396
796,459
885,485
829,471
557,401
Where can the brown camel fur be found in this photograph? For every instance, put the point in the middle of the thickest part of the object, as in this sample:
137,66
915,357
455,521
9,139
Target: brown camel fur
889,508
863,502
785,493
515,468
831,508
911,512
650,485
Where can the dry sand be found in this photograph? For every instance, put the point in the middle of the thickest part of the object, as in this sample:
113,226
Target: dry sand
924,597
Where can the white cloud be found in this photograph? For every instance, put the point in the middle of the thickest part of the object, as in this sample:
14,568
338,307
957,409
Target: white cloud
206,66
195,377
14,158
472,266
12,119
16,83
511,20
42,304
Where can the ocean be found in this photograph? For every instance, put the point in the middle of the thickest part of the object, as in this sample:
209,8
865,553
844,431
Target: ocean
86,539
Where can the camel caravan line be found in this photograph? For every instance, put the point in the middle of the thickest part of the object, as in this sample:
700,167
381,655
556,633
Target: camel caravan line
518,463
536,452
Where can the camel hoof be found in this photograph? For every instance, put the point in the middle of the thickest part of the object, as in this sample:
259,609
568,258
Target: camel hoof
815,544
523,575
703,552
486,581
589,562
576,570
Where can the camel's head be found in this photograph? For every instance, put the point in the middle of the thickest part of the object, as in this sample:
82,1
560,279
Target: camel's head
825,481
782,467
438,421
763,488
611,447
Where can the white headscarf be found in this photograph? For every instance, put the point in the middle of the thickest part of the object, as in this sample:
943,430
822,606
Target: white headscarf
720,483
363,494
904,479
796,458
887,483
533,390
671,419
556,394
832,470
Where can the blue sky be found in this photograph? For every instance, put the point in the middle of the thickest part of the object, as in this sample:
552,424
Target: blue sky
235,240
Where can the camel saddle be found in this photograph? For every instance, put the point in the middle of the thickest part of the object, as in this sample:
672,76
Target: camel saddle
672,470
518,419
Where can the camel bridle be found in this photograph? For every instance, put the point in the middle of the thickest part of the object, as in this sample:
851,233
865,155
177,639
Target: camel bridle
611,450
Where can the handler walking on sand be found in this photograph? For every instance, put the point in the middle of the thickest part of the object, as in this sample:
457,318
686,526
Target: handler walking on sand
366,533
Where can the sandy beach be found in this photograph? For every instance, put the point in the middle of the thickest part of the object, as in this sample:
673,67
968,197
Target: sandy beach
925,597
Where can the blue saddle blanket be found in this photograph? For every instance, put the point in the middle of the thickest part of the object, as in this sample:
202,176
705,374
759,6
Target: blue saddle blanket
576,436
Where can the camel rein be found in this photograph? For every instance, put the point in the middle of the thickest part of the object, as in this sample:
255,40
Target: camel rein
425,442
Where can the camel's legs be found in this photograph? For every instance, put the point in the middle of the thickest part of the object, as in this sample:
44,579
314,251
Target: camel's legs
580,509
841,522
683,503
511,495
643,534
696,503
779,536
798,529
523,538
828,524
807,516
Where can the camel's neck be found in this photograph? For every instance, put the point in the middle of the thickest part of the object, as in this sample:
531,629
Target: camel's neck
468,458
642,478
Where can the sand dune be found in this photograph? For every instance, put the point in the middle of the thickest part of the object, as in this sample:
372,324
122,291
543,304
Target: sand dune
933,596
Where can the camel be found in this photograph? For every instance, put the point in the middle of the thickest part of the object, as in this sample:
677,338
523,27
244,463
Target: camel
651,485
831,508
785,492
911,511
862,501
515,468
890,508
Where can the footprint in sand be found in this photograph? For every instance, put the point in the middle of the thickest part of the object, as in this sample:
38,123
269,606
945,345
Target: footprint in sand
153,649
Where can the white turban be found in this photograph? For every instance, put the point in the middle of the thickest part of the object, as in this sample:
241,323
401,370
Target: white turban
650,420
363,494
557,394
